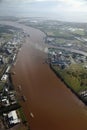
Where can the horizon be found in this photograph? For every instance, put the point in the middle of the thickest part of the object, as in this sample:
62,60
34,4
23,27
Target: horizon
62,10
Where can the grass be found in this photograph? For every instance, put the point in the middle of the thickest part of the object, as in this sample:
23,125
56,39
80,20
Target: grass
79,32
58,33
7,36
1,86
75,77
50,33
2,70
22,116
60,41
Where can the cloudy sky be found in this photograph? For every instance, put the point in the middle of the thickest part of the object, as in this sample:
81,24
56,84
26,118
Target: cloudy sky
66,10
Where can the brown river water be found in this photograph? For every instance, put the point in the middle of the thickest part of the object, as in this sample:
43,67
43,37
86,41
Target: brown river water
53,105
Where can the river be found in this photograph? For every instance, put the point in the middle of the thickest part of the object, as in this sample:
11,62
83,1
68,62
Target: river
53,105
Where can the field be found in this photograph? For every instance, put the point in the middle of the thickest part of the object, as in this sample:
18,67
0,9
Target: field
75,76
79,32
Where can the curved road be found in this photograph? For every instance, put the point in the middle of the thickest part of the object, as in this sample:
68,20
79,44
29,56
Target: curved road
53,105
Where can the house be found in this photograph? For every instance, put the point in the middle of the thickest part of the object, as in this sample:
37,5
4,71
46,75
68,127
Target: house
12,98
4,77
9,51
5,102
8,68
14,57
7,97
13,118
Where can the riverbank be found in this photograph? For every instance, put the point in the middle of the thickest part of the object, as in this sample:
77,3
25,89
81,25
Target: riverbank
52,104
67,84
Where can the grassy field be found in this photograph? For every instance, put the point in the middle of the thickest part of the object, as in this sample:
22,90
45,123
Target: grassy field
7,36
60,41
79,32
75,77
58,33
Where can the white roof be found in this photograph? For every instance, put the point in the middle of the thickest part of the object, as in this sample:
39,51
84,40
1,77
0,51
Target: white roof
12,114
4,77
14,117
7,70
5,102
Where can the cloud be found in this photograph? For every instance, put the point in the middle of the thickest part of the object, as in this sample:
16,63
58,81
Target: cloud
1,1
64,5
71,5
63,9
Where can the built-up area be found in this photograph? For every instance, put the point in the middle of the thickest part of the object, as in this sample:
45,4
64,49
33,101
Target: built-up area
11,40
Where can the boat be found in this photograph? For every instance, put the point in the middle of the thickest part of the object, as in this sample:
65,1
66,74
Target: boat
31,115
23,98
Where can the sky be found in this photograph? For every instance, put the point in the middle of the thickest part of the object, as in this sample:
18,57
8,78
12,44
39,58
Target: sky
64,10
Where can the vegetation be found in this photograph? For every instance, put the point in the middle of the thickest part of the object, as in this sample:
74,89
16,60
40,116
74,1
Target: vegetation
22,116
62,34
58,29
6,36
60,41
75,76
79,32
1,86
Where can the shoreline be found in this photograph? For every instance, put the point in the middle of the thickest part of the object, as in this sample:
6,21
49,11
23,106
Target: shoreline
47,97
59,76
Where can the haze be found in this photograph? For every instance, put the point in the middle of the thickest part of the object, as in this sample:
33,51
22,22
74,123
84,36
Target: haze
65,10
